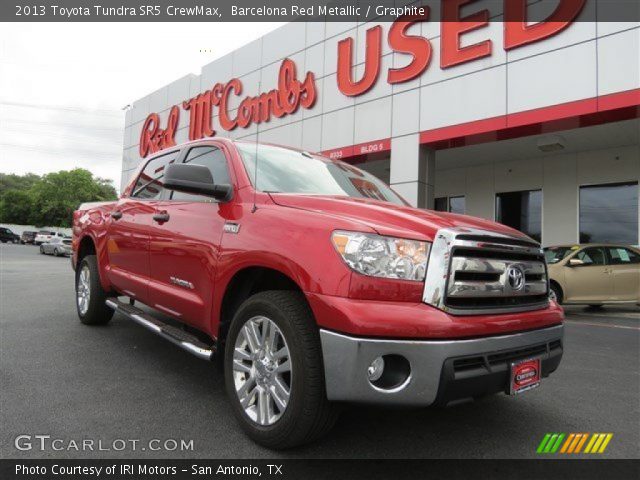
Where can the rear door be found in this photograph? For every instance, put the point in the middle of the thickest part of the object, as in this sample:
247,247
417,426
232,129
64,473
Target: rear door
624,264
128,230
184,248
590,282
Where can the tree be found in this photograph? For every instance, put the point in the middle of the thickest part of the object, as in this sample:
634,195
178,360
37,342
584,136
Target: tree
16,206
57,195
11,181
51,199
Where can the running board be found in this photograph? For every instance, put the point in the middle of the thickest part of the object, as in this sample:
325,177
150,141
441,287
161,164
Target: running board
182,339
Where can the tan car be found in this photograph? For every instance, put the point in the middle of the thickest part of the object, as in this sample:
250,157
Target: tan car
594,274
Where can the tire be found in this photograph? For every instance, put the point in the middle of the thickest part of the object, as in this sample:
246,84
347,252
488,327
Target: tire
56,252
556,293
308,414
41,249
93,310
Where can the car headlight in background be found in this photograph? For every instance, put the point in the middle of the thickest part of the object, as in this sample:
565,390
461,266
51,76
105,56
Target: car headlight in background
379,256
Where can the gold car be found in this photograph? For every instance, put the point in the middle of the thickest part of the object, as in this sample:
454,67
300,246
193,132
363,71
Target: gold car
594,274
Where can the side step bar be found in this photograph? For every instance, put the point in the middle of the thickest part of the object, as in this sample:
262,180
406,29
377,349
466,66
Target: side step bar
182,339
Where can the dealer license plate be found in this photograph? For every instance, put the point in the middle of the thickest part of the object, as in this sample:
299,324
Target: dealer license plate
525,375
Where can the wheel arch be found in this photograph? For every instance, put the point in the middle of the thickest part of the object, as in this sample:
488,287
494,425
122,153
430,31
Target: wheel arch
556,284
244,283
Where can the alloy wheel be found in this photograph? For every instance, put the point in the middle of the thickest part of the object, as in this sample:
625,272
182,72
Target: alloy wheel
83,290
262,370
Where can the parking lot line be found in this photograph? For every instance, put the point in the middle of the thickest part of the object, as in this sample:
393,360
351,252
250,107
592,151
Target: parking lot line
575,322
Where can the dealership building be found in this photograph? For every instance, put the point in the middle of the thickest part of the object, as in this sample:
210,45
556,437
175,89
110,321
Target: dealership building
534,125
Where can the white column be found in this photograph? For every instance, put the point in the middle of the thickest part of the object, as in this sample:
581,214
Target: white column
413,170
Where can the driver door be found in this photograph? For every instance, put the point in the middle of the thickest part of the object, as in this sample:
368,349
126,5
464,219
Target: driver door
591,281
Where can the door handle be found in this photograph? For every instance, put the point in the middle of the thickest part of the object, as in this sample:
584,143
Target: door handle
116,215
161,217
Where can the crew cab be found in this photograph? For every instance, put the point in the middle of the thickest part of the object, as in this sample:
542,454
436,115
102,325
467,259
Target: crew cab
315,284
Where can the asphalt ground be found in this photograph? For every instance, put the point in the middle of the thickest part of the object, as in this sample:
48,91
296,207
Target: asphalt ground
121,382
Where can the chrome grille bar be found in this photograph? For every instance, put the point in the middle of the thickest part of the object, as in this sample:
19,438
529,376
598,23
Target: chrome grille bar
469,270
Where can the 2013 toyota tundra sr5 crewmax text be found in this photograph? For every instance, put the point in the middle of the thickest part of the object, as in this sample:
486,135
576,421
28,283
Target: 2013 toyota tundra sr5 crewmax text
315,284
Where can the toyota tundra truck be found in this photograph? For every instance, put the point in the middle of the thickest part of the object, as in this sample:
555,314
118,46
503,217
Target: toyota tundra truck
314,284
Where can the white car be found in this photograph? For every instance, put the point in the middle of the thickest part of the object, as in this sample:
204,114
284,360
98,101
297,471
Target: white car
45,236
58,246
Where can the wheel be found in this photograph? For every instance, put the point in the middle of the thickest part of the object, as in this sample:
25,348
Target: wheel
56,252
90,296
41,249
555,293
274,372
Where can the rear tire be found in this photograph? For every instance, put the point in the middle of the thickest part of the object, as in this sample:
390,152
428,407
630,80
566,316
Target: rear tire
307,414
90,296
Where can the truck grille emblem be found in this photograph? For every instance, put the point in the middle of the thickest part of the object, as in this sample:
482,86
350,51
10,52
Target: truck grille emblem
515,277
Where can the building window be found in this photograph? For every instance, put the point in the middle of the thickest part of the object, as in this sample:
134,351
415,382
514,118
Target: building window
457,204
609,213
450,204
522,211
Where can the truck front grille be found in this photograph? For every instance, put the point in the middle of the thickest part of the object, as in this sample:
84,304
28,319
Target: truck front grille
477,273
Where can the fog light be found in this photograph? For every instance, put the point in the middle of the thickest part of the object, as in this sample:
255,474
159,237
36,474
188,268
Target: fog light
375,369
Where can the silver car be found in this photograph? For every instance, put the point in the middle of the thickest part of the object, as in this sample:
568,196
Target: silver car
58,246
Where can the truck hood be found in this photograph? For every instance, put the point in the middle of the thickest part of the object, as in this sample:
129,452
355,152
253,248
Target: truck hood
388,218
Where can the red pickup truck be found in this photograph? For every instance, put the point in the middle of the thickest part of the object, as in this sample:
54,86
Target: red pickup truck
315,284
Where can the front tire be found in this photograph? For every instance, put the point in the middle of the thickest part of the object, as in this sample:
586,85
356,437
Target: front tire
274,372
555,293
90,296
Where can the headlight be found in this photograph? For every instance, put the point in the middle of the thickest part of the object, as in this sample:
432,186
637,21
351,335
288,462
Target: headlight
379,256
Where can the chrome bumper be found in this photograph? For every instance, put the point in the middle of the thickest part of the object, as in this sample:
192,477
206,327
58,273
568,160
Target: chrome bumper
346,360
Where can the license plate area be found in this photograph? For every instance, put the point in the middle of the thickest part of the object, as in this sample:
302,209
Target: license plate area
525,375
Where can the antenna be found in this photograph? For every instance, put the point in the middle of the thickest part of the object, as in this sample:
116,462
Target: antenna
255,172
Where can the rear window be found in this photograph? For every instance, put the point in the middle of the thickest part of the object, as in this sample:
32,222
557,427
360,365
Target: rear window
150,184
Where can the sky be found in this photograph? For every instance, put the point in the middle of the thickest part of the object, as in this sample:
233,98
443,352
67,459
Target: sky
63,87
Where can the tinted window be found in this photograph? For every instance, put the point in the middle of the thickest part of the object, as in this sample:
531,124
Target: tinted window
609,213
592,256
288,171
522,211
440,204
622,256
457,205
149,183
214,159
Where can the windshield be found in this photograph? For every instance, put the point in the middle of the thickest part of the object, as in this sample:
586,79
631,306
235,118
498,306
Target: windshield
555,254
281,170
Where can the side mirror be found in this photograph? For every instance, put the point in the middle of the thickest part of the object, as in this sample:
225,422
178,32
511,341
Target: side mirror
191,178
575,262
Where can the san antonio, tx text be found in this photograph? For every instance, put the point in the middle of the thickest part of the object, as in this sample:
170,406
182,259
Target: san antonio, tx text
143,469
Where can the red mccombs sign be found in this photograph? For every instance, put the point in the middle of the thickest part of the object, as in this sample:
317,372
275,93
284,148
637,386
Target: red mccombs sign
292,93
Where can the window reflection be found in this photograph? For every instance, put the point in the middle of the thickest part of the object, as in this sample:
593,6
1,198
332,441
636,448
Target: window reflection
609,213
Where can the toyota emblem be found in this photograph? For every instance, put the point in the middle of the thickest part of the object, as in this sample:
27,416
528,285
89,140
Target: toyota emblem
515,277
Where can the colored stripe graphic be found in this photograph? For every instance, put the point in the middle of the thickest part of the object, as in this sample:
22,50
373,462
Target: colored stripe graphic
573,443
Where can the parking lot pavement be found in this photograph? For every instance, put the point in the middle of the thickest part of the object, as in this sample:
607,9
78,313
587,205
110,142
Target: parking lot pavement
74,382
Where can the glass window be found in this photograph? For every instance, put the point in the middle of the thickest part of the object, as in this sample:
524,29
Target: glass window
440,204
281,170
149,183
555,254
592,256
522,211
622,256
214,159
609,213
457,205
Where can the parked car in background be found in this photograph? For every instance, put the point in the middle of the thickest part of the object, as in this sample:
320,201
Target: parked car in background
58,246
594,274
45,236
7,235
28,236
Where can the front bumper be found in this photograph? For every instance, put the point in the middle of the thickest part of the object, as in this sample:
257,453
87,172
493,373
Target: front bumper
440,370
